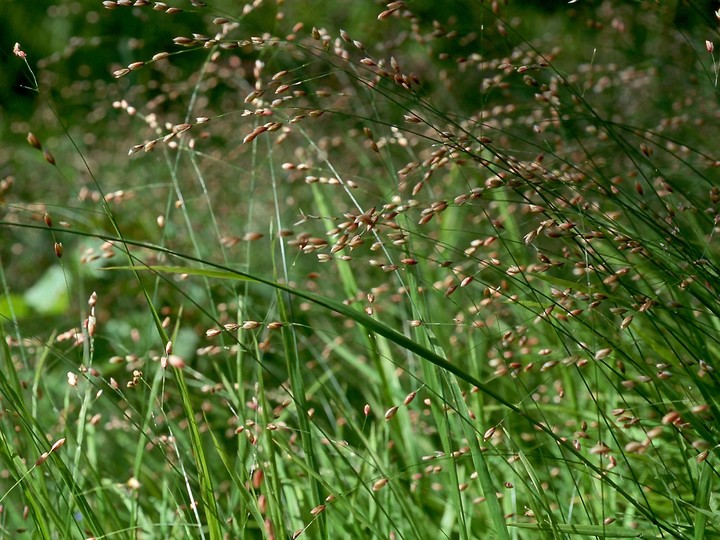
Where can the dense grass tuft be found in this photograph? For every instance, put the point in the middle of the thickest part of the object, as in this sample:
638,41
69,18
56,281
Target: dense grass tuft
405,270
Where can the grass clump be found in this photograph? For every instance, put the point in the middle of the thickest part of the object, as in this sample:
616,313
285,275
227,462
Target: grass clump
425,272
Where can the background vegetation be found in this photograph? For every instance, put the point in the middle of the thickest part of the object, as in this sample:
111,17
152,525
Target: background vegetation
355,269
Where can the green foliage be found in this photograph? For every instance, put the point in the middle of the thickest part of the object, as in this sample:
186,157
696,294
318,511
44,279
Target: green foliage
415,270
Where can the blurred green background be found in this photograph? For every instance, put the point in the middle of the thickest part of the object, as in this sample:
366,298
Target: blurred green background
73,47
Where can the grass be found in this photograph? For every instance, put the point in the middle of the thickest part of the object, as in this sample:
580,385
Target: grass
424,273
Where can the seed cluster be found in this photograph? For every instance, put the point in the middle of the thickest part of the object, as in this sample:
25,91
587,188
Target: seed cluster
538,228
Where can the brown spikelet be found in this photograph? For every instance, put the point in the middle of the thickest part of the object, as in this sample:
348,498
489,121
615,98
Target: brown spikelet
377,486
600,449
57,444
602,353
34,141
91,325
253,134
184,41
175,361
392,7
390,413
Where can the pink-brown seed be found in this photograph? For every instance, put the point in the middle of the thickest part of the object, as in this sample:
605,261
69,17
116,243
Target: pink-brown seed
451,289
91,325
57,444
254,134
390,413
602,353
176,361
317,510
600,449
34,141
377,486
252,236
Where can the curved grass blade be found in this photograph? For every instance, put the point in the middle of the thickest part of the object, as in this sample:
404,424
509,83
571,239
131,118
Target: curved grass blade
403,341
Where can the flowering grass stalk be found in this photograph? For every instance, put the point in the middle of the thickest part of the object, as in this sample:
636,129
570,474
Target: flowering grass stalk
441,275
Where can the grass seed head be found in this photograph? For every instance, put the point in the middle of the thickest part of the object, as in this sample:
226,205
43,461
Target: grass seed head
390,413
57,444
34,141
377,486
318,509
